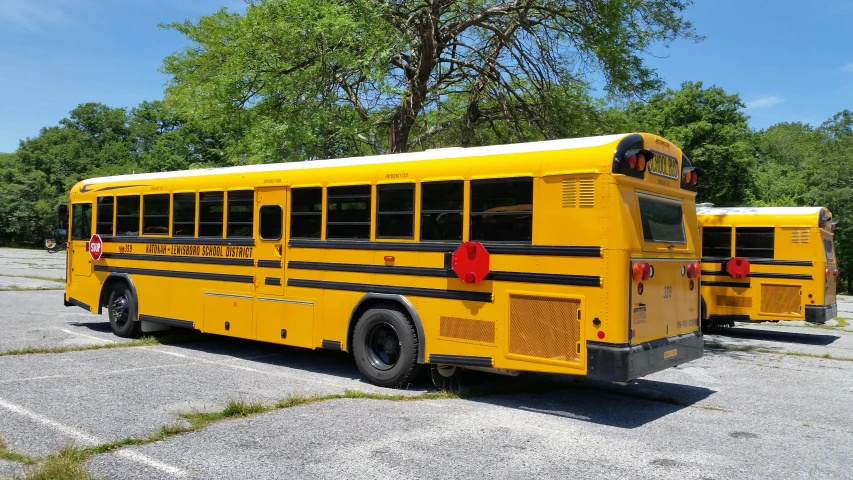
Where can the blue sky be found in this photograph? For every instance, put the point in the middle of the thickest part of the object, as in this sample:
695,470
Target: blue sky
790,60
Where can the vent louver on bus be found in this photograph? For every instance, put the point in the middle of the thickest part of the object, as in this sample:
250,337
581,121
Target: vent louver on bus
578,192
799,235
544,327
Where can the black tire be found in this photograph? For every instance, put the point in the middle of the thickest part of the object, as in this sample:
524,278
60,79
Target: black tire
121,309
446,378
385,345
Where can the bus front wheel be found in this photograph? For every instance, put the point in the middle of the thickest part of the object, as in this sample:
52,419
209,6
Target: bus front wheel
121,308
385,345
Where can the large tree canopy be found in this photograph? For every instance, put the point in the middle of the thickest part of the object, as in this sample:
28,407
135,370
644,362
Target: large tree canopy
325,78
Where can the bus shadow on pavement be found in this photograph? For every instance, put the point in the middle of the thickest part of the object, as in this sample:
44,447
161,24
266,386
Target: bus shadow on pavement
629,405
800,338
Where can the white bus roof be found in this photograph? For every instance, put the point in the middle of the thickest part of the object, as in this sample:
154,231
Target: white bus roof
757,210
436,154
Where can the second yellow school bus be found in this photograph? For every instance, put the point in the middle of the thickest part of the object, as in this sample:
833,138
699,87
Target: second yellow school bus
570,256
788,269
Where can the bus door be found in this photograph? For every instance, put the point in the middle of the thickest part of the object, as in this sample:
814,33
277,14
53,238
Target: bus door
269,269
81,232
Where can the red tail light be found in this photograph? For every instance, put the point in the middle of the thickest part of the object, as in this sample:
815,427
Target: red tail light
632,162
641,271
694,179
835,273
641,162
691,270
827,273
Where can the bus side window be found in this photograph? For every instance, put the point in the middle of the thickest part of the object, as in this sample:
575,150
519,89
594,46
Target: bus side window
81,221
210,214
349,212
183,215
241,213
127,215
717,242
754,242
395,211
155,214
441,210
306,212
502,210
106,210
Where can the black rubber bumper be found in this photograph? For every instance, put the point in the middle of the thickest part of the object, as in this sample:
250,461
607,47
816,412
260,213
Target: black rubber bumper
821,313
622,362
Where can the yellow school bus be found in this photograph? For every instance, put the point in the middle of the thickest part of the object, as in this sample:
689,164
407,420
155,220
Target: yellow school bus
566,256
787,268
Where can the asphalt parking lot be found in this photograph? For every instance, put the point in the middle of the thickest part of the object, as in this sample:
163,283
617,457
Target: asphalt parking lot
766,401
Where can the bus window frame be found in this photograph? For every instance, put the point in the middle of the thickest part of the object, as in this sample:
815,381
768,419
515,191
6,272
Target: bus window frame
142,216
464,214
172,214
253,203
97,205
376,213
671,247
139,216
774,229
198,212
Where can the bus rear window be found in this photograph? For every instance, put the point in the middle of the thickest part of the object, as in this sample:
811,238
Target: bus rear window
827,247
662,221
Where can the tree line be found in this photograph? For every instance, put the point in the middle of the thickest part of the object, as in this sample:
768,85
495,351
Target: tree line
293,80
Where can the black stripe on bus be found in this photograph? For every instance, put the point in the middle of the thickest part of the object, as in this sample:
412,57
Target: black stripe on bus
726,284
331,345
501,249
78,303
177,274
577,280
272,281
763,261
167,321
435,358
789,276
484,297
269,263
243,262
236,242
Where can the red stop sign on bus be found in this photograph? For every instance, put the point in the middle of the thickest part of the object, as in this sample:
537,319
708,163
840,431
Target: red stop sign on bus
95,246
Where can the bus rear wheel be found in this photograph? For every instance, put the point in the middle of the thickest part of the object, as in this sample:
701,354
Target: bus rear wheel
385,345
121,309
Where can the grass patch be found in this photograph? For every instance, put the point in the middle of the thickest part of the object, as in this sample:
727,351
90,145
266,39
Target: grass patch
140,342
6,454
743,348
37,277
15,288
65,465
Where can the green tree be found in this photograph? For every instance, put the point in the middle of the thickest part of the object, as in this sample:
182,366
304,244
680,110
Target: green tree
295,79
709,126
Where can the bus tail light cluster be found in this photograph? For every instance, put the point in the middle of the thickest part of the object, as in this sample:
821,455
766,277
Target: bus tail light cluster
691,177
833,271
642,271
636,160
693,270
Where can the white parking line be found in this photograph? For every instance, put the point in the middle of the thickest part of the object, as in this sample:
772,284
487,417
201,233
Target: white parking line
90,439
88,336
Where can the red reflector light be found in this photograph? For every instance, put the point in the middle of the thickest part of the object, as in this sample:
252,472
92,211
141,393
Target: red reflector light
640,288
692,285
600,334
812,302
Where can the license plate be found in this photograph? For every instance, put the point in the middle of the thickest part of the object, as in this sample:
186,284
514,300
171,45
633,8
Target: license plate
670,353
640,315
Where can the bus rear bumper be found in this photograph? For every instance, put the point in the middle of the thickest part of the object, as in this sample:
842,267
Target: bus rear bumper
620,363
821,313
